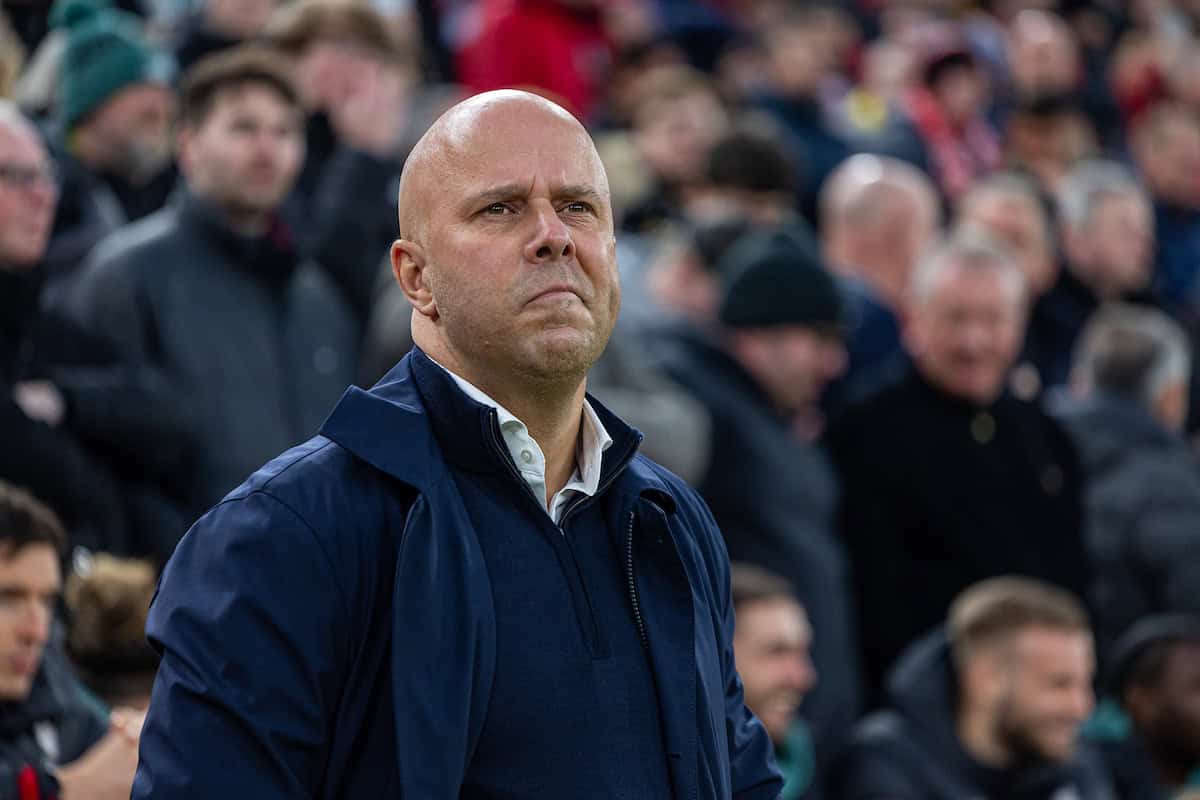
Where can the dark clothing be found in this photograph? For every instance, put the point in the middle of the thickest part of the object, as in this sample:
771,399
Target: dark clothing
775,499
872,344
1143,503
816,148
938,494
911,751
94,469
254,343
1177,234
388,610
90,207
196,41
54,726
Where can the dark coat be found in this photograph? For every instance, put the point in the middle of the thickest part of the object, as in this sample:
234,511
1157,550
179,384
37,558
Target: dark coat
254,343
54,726
386,611
1143,514
94,469
911,751
939,494
775,499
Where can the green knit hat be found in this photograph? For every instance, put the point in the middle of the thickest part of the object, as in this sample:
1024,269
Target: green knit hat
106,51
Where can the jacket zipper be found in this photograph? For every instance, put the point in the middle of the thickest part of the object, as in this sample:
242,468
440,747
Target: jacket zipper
631,584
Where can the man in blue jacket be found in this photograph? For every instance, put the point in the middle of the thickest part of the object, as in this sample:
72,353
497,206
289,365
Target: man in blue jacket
469,585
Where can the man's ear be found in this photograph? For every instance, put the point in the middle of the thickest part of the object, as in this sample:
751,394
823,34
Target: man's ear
408,265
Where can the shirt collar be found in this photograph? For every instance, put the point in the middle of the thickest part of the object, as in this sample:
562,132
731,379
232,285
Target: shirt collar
589,450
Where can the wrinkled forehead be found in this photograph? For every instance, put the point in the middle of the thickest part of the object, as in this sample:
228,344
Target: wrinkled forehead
512,148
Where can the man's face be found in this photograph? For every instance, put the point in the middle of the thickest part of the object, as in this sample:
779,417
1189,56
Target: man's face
1017,225
1049,694
1119,240
30,582
794,363
245,154
962,92
1170,716
516,233
965,332
1170,161
675,138
133,129
28,196
771,647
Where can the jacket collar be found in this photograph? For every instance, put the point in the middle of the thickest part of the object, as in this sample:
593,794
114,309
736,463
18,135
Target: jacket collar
416,418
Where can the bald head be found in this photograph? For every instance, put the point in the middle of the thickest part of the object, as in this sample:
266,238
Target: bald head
450,146
878,214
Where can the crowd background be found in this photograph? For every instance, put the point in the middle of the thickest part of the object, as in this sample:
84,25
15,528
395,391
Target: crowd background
910,294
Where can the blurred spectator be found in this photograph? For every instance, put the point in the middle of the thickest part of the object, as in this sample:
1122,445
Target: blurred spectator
112,129
750,176
1044,138
990,705
211,290
218,25
1107,235
771,646
677,119
1043,55
75,423
359,86
54,739
800,54
1166,144
1156,680
871,114
107,603
949,137
1131,378
556,46
12,57
878,216
948,478
772,493
684,279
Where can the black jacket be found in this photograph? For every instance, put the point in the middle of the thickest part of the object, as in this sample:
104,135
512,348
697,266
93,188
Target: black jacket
95,469
939,494
911,751
774,498
1143,507
54,726
254,344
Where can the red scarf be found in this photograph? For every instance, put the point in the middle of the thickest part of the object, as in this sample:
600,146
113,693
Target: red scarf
958,157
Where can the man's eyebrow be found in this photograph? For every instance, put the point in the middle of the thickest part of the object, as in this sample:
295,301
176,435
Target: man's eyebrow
510,191
579,191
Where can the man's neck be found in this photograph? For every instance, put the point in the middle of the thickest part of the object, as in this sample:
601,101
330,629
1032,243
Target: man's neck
552,412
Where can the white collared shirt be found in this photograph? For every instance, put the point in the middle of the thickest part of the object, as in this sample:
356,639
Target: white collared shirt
529,460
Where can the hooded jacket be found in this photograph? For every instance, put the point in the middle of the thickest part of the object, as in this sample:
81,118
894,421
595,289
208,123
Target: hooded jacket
911,751
386,611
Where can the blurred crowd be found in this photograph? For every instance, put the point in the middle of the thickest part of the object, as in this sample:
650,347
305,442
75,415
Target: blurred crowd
911,290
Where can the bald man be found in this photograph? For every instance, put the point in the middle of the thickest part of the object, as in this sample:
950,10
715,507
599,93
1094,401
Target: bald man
470,584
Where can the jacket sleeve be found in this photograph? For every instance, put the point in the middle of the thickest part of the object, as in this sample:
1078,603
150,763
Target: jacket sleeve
751,758
251,625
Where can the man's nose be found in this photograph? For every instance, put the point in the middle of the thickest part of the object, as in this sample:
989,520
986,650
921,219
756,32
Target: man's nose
551,240
803,675
35,623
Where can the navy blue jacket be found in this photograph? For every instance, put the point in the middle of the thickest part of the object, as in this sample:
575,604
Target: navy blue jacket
342,625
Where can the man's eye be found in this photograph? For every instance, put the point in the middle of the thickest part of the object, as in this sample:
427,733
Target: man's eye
578,207
496,209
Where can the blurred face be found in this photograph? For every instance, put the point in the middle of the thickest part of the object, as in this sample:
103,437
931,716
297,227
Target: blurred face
330,69
1018,224
30,582
798,58
771,647
1043,54
962,93
1170,161
245,154
792,363
511,225
1049,694
28,196
1119,244
241,19
132,132
675,138
1168,715
966,330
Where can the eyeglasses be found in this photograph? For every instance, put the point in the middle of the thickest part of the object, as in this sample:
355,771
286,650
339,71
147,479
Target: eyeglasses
26,176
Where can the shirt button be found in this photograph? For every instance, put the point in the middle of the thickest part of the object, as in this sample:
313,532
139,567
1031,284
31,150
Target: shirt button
527,456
